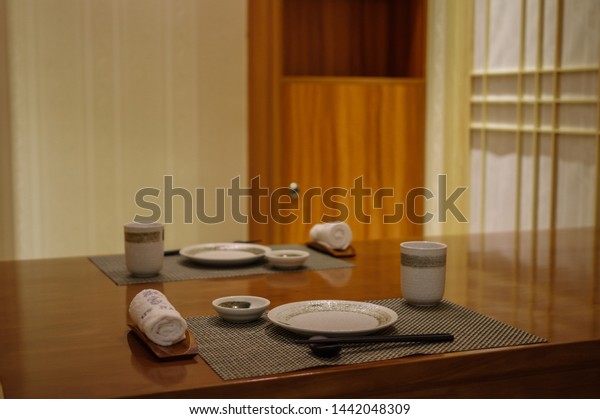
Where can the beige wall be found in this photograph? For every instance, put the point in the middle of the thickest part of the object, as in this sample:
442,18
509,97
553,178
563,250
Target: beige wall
107,97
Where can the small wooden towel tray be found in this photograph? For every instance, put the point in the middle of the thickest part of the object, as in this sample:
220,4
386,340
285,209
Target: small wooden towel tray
347,253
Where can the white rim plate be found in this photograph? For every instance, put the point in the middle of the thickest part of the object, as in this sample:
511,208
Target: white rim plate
332,317
225,253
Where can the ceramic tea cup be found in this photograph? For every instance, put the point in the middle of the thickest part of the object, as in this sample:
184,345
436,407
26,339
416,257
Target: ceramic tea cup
423,272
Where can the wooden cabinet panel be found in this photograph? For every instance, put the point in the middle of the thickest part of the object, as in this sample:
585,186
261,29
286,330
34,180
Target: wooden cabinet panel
336,98
368,38
355,148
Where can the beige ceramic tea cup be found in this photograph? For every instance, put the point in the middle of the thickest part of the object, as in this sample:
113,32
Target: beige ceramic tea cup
144,248
423,272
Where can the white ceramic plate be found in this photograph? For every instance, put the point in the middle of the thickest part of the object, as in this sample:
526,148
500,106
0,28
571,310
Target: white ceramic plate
225,253
332,317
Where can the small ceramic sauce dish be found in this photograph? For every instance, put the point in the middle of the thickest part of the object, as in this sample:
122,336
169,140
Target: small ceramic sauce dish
287,259
240,308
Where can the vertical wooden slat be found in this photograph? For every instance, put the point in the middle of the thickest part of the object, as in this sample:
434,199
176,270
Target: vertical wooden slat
457,64
6,187
91,205
484,115
276,146
537,117
555,123
597,198
264,131
519,145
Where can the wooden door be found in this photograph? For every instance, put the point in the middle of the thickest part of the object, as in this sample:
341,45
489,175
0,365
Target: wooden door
352,143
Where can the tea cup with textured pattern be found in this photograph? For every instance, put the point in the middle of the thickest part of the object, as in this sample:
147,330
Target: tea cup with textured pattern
144,248
423,272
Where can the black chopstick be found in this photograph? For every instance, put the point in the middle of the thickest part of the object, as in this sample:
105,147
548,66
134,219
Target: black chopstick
432,337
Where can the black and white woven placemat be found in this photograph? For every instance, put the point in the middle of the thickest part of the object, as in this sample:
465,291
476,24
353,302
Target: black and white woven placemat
236,351
178,268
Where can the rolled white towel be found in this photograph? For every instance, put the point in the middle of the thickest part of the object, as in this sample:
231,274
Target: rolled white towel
157,318
336,235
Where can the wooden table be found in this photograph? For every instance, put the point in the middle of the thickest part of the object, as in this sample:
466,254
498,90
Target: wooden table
63,326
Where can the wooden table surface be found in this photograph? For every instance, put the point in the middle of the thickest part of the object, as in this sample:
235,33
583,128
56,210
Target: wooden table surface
63,330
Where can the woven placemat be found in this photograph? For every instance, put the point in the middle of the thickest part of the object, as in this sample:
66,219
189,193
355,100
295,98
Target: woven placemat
261,348
178,268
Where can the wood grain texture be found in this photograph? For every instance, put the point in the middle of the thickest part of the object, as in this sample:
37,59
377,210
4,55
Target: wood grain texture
337,135
264,77
361,103
64,327
369,38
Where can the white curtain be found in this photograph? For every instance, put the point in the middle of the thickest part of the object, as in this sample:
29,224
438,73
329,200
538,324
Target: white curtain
534,114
